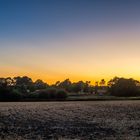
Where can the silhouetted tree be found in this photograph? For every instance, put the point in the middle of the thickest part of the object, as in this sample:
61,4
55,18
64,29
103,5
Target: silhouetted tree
96,87
87,87
57,83
123,87
66,84
39,84
24,84
102,83
77,87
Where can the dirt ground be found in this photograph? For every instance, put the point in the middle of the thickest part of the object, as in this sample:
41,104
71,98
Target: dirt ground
91,120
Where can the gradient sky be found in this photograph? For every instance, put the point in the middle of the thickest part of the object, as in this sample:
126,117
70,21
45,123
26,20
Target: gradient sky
77,39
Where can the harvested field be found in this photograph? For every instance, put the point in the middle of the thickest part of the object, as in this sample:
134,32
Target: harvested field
108,120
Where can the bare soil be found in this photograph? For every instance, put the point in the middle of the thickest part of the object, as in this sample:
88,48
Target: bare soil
85,120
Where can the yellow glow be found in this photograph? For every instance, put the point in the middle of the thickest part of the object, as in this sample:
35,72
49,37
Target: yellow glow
82,58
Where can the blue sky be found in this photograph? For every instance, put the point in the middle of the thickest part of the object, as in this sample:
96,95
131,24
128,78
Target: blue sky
44,18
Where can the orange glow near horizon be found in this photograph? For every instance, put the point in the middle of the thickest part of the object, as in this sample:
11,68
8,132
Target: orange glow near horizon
80,58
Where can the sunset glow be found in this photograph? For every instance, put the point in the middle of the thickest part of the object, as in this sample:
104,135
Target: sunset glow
55,40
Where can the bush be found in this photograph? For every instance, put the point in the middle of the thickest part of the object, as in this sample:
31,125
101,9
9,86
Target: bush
12,94
49,93
4,93
61,94
52,93
15,95
32,95
7,94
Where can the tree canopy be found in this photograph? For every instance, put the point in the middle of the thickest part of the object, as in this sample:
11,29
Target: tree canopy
124,87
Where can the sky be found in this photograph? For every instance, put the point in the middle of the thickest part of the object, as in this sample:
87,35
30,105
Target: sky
76,39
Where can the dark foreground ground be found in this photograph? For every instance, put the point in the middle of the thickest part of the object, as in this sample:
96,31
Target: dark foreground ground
108,120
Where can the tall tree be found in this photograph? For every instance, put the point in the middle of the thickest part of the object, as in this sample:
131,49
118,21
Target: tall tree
123,87
39,84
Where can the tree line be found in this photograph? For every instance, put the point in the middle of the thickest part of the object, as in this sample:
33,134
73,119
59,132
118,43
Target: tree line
20,88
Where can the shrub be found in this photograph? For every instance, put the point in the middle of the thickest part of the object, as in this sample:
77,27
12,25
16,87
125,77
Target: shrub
4,93
49,93
52,93
61,94
43,94
7,94
15,95
32,95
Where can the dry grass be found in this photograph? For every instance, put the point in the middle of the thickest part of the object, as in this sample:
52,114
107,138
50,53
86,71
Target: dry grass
70,120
